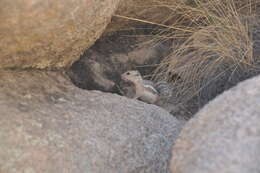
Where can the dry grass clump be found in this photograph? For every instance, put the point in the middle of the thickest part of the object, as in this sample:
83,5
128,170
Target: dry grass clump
215,43
217,47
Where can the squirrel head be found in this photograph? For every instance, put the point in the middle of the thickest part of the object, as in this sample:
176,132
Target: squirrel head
132,76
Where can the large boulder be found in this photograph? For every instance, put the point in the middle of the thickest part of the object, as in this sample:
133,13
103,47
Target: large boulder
50,34
224,136
49,125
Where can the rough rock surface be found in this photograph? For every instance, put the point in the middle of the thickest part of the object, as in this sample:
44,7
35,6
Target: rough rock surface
50,34
48,125
224,136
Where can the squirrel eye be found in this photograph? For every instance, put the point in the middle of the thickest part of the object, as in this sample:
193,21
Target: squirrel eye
128,73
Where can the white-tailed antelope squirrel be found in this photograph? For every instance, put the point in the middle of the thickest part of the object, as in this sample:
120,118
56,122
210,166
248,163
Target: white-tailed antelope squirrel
146,90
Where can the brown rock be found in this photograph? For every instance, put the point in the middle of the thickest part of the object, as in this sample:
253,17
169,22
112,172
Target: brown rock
50,34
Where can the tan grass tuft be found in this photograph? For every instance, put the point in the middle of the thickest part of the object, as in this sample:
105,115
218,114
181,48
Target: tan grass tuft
220,45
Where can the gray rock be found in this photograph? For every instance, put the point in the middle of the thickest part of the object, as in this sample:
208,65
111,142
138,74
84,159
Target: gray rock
224,136
49,126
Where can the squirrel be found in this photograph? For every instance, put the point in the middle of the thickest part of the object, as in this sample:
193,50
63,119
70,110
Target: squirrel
146,90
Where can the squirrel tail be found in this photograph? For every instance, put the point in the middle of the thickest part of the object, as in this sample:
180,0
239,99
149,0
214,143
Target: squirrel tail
164,89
